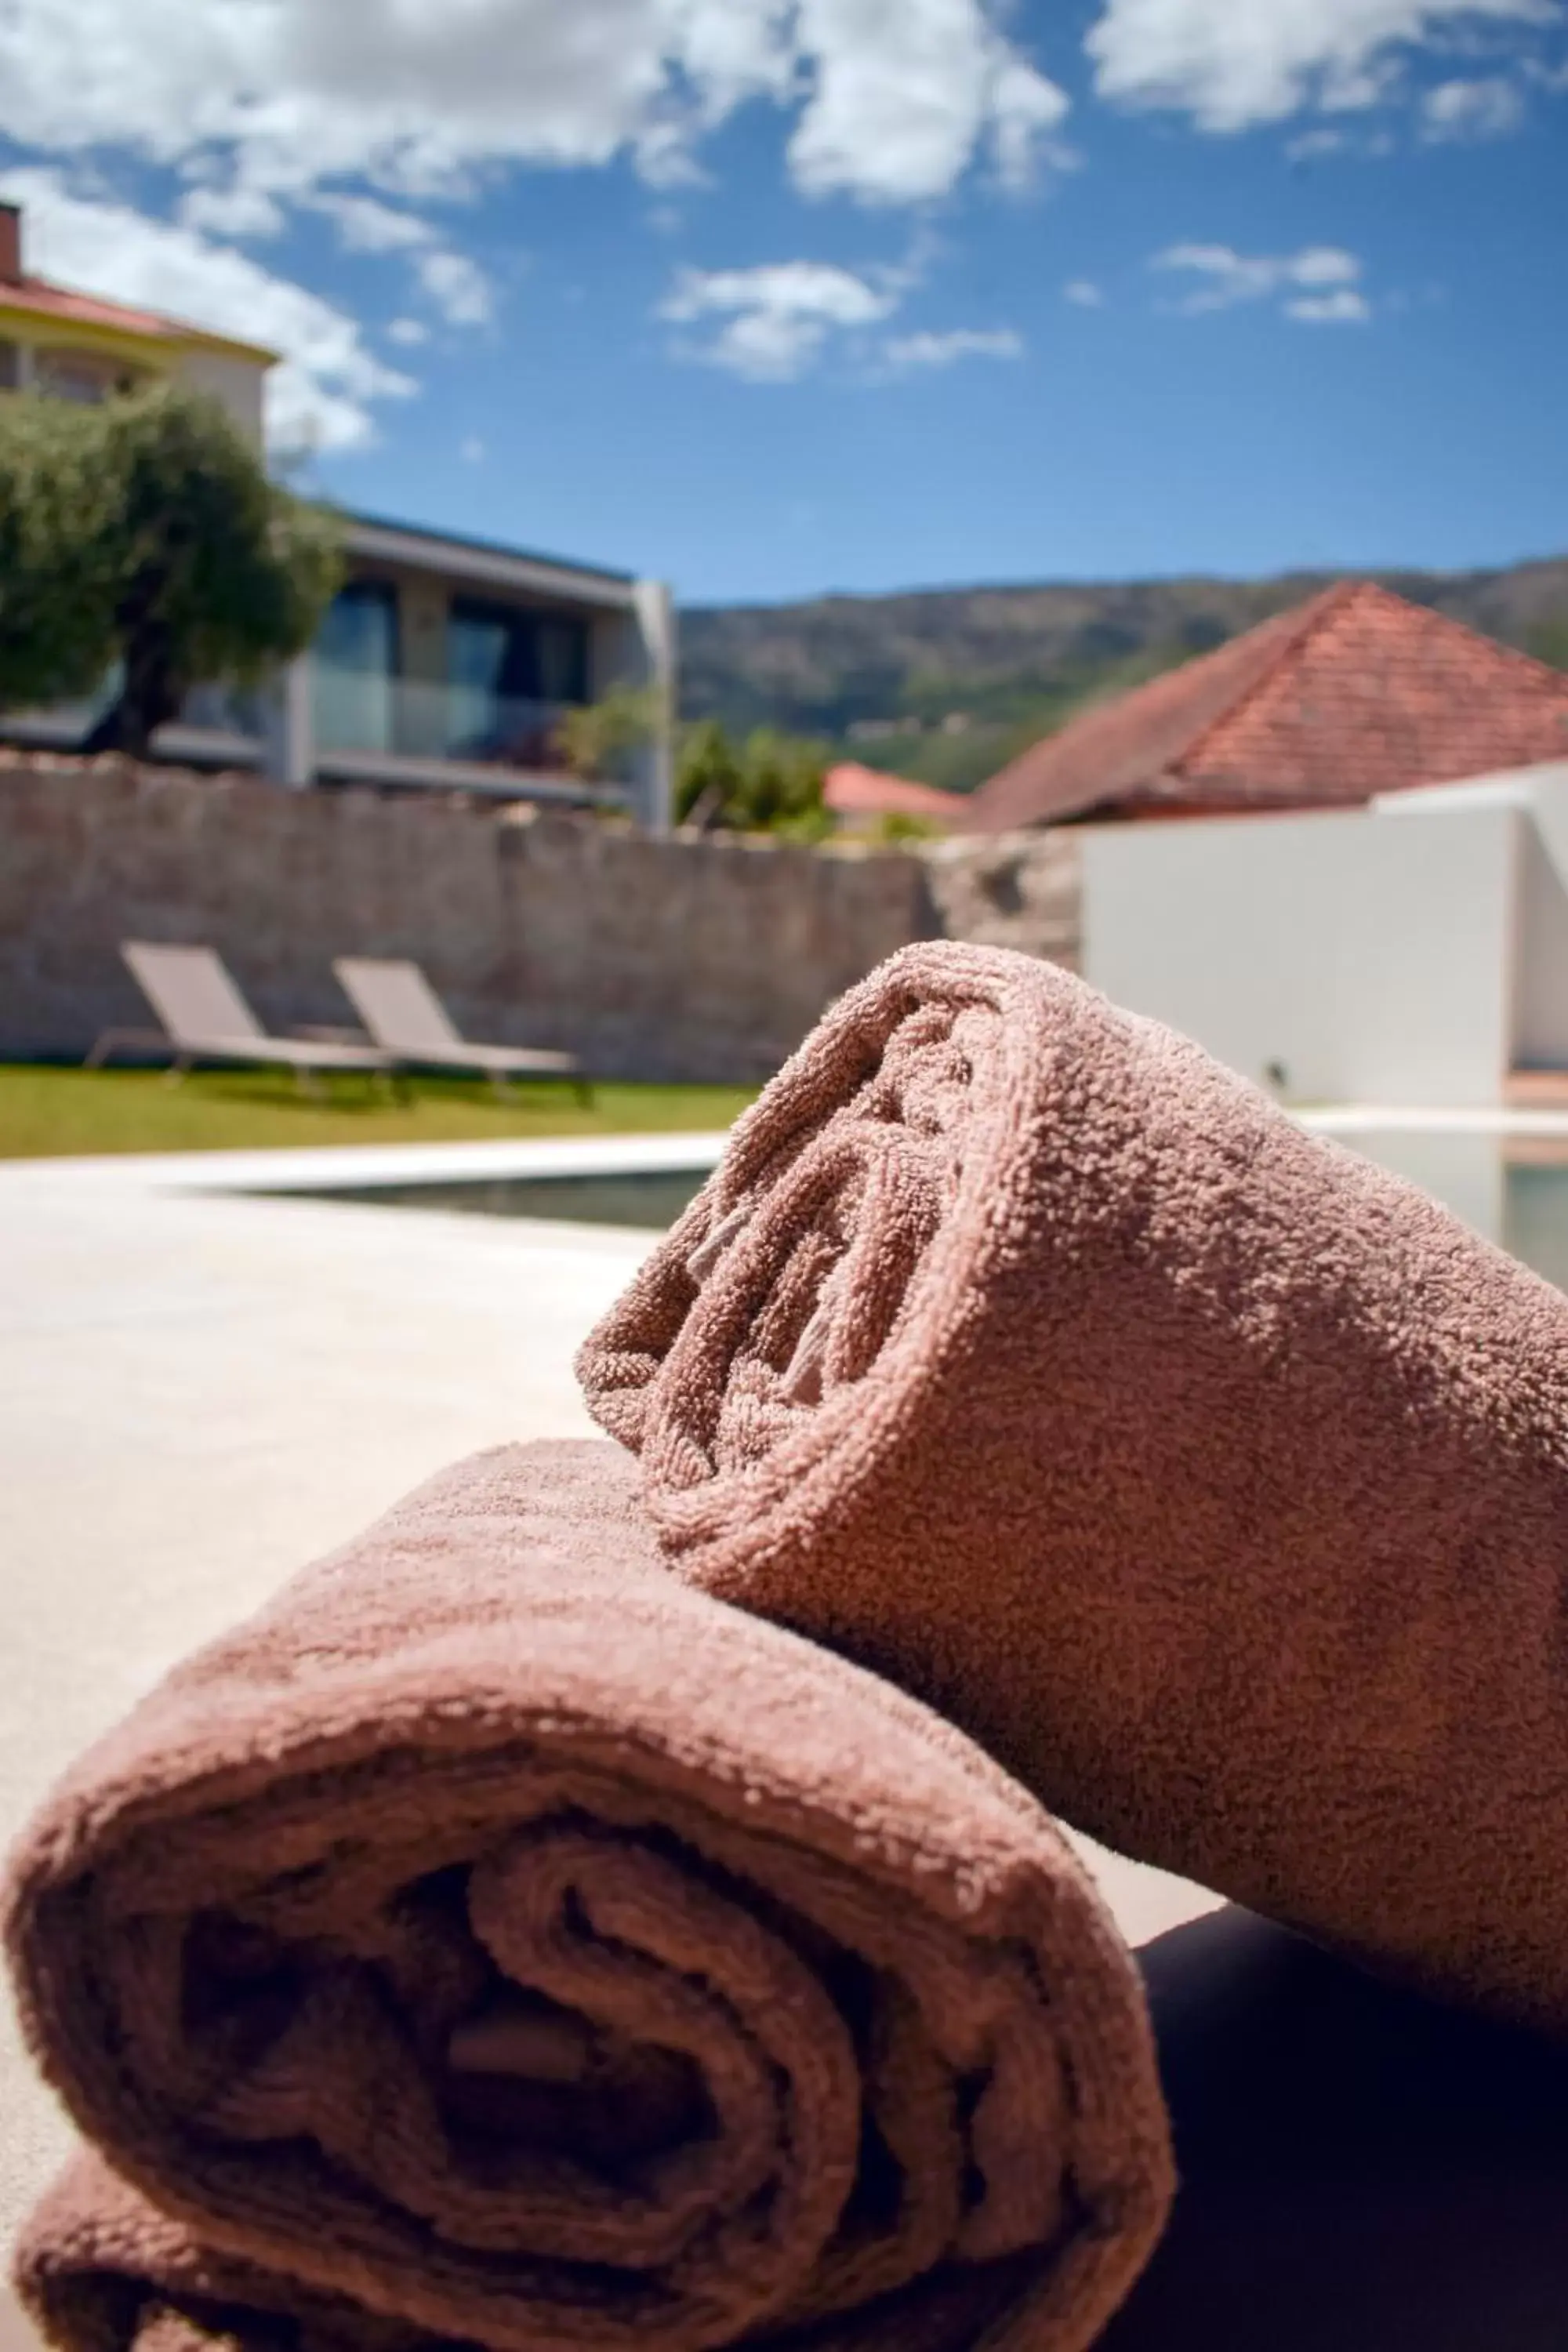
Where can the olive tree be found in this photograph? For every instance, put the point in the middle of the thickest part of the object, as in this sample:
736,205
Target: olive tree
56,599
146,533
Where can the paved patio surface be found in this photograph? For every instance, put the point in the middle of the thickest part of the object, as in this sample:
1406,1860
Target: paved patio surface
200,1391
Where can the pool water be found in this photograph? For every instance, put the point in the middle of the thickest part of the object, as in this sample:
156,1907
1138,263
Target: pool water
649,1199
1535,1220
1513,1189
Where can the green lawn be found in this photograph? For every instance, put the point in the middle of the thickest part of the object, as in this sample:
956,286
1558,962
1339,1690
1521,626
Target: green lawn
47,1111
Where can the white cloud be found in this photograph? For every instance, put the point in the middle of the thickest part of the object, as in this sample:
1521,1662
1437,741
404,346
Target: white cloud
458,286
237,211
408,332
1084,292
1321,280
1224,275
323,395
770,324
1310,143
904,91
1026,113
1322,265
1233,63
776,318
1344,308
940,349
1484,109
894,100
365,224
663,156
471,449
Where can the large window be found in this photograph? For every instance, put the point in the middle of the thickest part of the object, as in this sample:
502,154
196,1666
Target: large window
356,669
85,376
507,669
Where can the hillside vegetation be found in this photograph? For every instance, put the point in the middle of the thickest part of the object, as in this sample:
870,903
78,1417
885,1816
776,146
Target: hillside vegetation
946,683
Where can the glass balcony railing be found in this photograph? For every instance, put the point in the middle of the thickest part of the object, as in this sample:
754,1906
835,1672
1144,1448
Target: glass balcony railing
367,711
214,710
225,710
358,714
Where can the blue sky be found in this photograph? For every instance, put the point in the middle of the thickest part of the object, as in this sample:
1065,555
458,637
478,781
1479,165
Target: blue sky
778,296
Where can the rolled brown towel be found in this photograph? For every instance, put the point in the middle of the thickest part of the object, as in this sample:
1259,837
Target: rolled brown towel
100,2269
1211,1476
501,1936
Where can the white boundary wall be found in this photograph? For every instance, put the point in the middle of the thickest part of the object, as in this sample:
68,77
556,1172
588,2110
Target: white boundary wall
1370,961
1540,1028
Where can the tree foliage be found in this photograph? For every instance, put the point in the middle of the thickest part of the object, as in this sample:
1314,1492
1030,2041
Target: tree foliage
1548,641
597,738
707,773
55,594
145,533
770,782
896,825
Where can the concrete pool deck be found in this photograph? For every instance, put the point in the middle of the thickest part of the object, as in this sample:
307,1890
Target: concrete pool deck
202,1389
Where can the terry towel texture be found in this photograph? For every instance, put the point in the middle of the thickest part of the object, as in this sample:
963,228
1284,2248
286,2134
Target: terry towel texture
98,2269
1212,1477
498,1935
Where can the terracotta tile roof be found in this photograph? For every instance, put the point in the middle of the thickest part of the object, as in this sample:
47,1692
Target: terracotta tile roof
851,789
40,295
85,309
1355,693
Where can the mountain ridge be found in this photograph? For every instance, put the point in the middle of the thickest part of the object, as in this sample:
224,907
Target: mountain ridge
943,684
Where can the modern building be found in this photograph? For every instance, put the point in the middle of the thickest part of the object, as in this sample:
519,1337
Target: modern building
447,662
444,662
1355,693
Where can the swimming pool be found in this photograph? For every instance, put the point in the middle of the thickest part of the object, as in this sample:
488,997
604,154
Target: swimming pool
1507,1177
1508,1183
646,1199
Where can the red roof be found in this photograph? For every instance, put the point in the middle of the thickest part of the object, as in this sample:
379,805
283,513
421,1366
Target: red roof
61,303
1355,693
38,295
850,790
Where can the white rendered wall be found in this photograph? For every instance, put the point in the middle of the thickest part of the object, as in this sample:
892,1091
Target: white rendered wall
1371,959
641,647
1539,1038
237,383
1541,977
1541,969
656,627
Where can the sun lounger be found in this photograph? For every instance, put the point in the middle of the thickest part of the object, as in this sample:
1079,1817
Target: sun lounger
206,1019
406,1017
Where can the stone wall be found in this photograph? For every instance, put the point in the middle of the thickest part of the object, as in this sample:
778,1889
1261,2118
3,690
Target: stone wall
671,959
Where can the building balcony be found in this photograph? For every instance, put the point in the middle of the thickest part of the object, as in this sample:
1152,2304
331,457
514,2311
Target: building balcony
385,732
359,711
374,727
